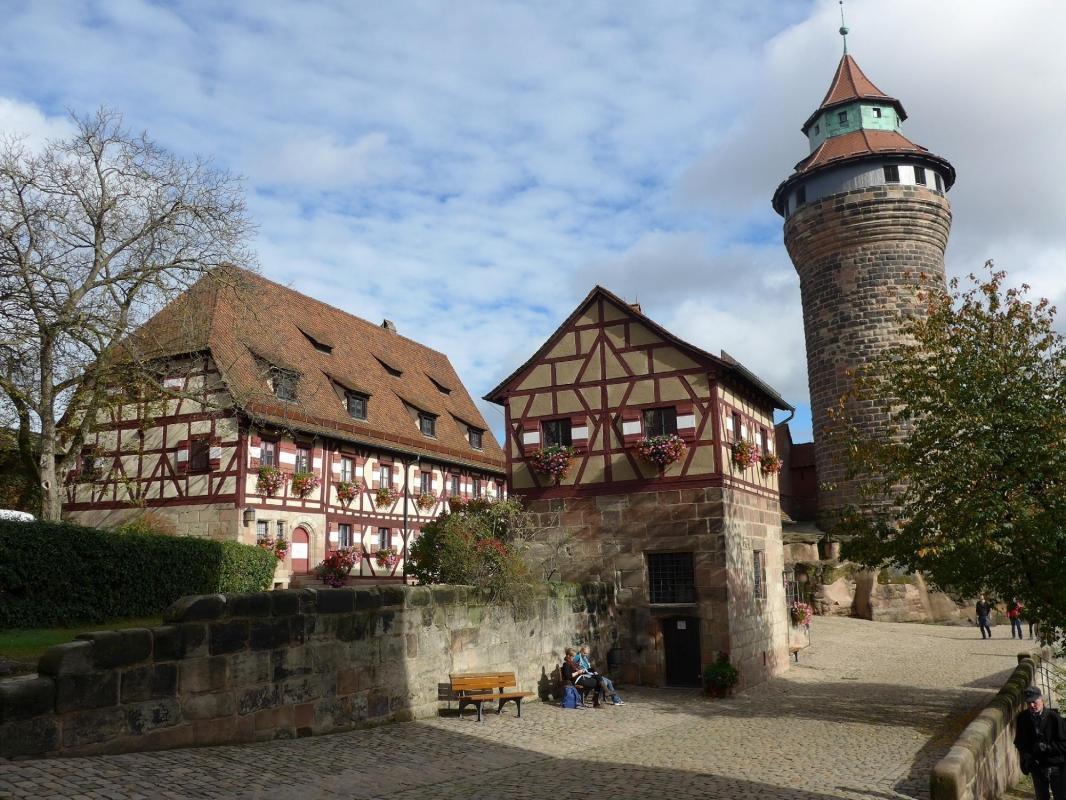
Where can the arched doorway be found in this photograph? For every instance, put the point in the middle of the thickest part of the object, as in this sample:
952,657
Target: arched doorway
681,646
300,544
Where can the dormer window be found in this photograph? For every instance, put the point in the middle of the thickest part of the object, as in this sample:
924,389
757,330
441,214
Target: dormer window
356,404
891,173
320,346
427,423
394,371
842,117
440,386
474,436
283,383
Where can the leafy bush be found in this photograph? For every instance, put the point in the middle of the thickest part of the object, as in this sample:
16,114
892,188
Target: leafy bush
720,677
149,522
476,543
58,574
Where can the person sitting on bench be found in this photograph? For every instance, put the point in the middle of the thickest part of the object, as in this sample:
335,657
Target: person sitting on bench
580,676
581,658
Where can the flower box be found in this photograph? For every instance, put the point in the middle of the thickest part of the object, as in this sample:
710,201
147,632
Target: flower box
347,491
553,461
744,454
770,464
387,558
279,547
426,501
801,613
662,451
386,496
303,483
270,480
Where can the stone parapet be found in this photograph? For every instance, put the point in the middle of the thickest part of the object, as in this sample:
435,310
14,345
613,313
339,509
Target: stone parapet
267,665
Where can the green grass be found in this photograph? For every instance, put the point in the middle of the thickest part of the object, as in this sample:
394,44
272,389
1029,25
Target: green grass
27,645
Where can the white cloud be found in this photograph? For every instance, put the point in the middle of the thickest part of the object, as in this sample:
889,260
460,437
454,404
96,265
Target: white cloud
27,122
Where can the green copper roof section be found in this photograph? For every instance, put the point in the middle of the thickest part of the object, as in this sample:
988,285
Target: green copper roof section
843,119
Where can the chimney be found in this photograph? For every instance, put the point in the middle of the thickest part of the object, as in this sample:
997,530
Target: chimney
388,325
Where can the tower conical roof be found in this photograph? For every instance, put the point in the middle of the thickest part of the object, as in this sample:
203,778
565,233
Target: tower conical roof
850,84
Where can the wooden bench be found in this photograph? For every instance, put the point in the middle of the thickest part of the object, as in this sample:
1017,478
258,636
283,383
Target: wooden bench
486,687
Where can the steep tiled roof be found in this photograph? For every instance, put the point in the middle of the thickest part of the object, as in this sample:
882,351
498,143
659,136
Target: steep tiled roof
726,365
850,84
250,323
858,143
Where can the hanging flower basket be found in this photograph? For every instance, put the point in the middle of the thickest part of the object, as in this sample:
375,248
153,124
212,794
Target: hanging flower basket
662,451
426,501
553,461
744,454
279,547
770,464
270,480
335,568
303,483
387,558
801,613
386,496
347,491
456,503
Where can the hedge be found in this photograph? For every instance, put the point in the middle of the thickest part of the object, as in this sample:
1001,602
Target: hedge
55,574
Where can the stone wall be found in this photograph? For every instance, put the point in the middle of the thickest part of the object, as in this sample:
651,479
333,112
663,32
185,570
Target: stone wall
607,538
983,764
857,253
281,664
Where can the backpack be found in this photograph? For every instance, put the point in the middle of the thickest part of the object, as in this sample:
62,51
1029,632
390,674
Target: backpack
570,698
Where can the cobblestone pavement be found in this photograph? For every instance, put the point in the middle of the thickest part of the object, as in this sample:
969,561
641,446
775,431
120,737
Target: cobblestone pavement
865,714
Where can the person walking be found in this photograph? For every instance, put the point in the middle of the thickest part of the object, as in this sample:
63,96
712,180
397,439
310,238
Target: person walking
1040,736
1014,614
984,614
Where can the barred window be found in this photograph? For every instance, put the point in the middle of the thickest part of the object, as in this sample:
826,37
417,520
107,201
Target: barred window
758,563
671,578
262,530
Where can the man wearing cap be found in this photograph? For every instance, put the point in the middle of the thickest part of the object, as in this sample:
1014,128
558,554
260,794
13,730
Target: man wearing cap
1040,736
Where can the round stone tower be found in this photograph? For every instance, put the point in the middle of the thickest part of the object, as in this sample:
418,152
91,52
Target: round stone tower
865,220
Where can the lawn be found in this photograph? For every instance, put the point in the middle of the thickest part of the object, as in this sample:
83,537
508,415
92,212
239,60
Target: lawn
27,645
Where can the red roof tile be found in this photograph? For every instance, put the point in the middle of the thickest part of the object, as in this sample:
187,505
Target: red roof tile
850,84
856,144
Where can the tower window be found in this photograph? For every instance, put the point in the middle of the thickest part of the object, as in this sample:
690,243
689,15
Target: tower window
427,424
891,173
877,113
939,182
919,175
801,196
817,129
842,117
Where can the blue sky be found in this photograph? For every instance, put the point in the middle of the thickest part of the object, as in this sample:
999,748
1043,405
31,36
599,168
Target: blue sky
471,170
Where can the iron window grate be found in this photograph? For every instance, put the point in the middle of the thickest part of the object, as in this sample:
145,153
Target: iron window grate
671,578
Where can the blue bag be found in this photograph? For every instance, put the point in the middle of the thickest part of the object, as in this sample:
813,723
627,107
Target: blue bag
570,698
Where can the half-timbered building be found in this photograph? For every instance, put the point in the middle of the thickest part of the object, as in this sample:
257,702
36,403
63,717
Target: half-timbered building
693,546
280,416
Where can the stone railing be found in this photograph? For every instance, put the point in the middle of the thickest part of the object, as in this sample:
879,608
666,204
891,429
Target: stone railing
983,764
250,667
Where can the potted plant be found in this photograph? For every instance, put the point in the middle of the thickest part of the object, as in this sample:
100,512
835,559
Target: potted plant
270,480
744,453
303,483
347,491
426,501
553,461
720,677
662,451
801,613
279,547
386,496
770,464
336,566
387,558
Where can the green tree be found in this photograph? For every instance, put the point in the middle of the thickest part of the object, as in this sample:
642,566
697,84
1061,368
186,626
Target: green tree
971,470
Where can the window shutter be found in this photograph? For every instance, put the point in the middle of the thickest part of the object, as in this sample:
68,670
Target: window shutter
529,431
686,421
254,451
579,432
632,426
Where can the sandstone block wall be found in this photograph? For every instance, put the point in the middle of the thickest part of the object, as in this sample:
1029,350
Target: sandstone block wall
857,253
267,665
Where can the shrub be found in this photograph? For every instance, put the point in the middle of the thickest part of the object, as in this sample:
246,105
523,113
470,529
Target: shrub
54,574
337,565
720,677
149,522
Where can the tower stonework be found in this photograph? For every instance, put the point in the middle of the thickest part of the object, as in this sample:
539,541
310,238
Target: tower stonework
866,219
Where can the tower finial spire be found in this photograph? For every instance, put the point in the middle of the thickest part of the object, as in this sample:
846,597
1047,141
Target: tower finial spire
843,27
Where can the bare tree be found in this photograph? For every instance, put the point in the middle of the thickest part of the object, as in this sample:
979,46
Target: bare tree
97,233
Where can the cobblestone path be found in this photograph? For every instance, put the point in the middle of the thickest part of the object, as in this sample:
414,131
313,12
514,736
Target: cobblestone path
866,714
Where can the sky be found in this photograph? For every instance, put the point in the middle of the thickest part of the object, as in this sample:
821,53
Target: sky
471,170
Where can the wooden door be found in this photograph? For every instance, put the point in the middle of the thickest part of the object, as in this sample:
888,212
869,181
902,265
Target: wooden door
681,646
300,555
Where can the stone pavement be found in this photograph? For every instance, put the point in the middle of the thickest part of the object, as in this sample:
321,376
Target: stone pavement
865,714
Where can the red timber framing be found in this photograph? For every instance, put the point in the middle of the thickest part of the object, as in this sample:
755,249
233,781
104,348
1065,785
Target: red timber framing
598,375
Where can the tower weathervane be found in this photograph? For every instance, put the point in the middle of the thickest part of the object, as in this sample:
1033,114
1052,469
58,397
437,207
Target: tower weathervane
843,27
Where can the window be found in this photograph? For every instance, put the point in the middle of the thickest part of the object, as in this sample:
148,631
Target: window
427,482
764,441
475,438
455,486
660,421
440,386
671,578
891,173
477,487
842,117
344,535
383,538
268,453
356,404
877,113
801,195
281,529
385,476
499,489
919,175
939,182
556,432
89,469
262,530
395,372
817,129
758,563
738,426
283,382
427,424
199,455
347,469
303,459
